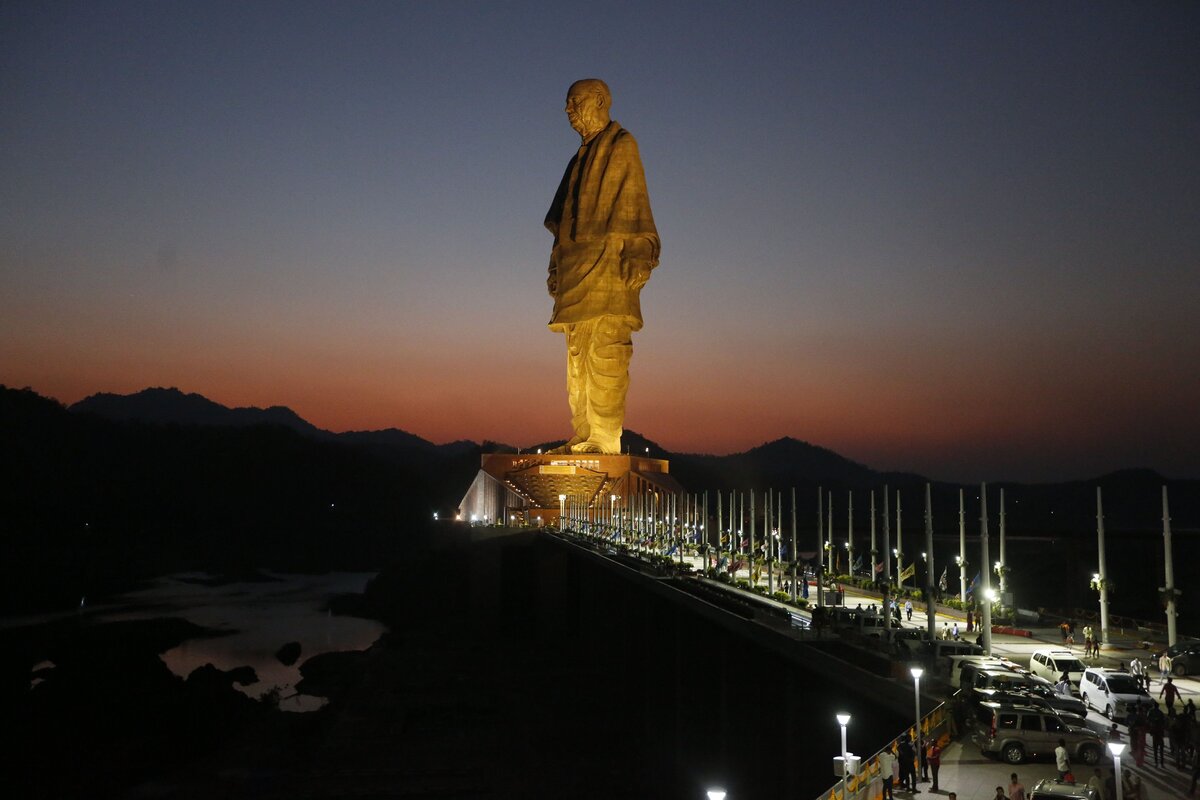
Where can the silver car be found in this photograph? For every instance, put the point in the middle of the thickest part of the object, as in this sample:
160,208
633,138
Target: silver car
1016,733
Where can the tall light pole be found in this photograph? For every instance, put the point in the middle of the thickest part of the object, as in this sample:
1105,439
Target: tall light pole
715,794
1116,748
917,672
1102,575
562,510
844,720
985,574
1169,567
899,545
930,569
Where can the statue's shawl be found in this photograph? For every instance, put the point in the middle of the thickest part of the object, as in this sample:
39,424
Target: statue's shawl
603,193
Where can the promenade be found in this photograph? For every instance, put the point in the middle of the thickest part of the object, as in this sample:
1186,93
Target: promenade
975,776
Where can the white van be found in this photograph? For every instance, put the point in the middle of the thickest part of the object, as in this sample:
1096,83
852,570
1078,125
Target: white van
1051,664
958,662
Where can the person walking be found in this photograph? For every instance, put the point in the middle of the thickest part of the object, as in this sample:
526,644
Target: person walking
908,610
908,768
1170,693
954,631
1097,782
887,771
1164,667
1000,795
1138,671
1062,761
1016,789
1156,722
933,756
1137,736
970,621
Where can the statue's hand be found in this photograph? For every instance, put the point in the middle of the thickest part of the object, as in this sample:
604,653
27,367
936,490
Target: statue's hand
637,273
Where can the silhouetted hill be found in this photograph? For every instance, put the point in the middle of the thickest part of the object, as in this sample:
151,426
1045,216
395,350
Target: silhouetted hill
171,406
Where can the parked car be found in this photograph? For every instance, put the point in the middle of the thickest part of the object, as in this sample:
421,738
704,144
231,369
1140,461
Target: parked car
1051,664
948,648
1047,789
1016,733
1004,678
1061,702
1111,692
1185,657
1030,696
960,662
910,640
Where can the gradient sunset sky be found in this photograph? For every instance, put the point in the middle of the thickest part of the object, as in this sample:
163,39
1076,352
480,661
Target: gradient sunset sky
961,239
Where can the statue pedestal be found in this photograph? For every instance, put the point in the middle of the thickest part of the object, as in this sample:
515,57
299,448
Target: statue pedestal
525,489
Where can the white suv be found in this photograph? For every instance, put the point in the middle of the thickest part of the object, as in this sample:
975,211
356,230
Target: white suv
1051,664
1112,692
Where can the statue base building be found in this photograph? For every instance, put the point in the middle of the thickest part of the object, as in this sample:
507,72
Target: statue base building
532,489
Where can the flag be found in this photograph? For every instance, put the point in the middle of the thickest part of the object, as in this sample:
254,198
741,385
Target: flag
971,585
942,580
908,572
857,564
878,567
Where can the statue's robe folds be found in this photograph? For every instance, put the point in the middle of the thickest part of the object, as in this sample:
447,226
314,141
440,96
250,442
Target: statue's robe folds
601,206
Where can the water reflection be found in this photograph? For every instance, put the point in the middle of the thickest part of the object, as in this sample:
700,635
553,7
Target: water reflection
261,617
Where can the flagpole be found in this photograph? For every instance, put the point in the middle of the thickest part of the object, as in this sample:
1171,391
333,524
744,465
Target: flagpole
1003,559
874,551
768,534
753,582
887,540
1102,576
985,572
820,548
930,606
829,514
795,555
899,545
962,550
850,533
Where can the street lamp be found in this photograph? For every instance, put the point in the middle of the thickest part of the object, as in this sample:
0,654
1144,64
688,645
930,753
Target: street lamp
1116,748
844,720
716,794
562,509
917,672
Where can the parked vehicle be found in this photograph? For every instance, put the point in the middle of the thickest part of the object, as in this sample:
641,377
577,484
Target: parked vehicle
1016,733
1051,664
960,662
1185,657
1111,692
1005,678
1047,789
948,648
1067,707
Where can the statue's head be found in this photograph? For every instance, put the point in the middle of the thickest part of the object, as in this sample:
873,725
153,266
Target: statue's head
588,102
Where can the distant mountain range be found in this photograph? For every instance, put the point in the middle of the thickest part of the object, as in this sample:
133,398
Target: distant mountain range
1130,495
119,487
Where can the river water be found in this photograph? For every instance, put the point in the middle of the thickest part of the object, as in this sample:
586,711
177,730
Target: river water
260,616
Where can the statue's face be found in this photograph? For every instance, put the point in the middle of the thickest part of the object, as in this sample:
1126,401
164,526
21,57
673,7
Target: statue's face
585,110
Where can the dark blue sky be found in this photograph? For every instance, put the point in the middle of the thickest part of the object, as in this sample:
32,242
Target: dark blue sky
956,238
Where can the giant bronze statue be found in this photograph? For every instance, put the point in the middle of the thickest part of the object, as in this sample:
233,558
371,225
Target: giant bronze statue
605,245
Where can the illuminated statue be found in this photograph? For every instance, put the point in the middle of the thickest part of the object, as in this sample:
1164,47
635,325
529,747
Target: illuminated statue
605,245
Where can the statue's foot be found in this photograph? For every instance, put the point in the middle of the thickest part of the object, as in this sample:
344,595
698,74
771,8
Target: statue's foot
565,450
587,447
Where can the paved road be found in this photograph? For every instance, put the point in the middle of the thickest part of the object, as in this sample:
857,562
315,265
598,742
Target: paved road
975,776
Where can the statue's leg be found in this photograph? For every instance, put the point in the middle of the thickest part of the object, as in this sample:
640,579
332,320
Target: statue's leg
608,381
579,337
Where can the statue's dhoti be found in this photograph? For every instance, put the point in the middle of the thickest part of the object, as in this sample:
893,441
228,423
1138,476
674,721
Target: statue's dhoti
598,353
